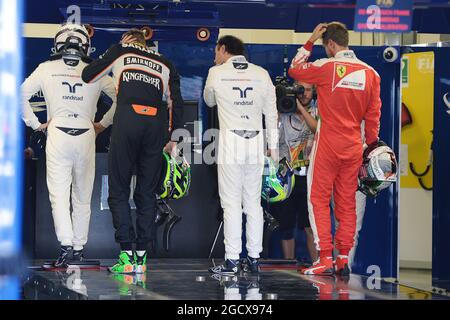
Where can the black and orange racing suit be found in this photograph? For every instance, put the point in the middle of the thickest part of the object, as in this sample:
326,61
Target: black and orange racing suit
143,80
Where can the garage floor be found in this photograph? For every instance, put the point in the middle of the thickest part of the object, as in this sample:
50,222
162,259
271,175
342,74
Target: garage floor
189,279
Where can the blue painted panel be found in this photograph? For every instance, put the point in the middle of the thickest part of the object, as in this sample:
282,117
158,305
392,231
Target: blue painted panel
432,20
35,13
308,18
40,49
258,16
288,14
11,146
441,170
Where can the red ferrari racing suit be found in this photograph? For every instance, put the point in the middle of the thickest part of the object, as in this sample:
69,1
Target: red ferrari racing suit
348,92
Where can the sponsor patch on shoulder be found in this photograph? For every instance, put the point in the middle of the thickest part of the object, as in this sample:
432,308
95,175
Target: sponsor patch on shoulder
349,77
240,65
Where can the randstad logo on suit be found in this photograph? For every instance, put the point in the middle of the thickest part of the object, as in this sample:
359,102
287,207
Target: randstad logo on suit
72,89
73,98
243,103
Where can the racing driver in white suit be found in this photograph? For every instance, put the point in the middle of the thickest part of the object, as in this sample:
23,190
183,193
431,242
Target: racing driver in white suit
70,147
243,92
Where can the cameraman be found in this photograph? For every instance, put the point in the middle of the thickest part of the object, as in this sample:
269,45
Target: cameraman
296,138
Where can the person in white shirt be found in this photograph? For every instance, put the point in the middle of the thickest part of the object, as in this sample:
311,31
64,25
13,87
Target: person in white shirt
297,131
70,146
243,93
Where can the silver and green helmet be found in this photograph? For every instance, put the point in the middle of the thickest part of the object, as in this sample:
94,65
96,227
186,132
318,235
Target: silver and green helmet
175,177
278,181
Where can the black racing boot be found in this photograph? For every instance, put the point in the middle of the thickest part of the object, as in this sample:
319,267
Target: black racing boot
230,267
251,265
77,256
64,256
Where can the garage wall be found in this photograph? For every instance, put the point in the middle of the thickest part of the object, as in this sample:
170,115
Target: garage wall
415,234
275,36
262,36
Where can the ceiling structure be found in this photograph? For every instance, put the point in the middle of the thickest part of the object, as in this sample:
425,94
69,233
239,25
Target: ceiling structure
430,16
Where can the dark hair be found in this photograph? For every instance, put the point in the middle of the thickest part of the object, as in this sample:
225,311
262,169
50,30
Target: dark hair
337,32
137,34
233,45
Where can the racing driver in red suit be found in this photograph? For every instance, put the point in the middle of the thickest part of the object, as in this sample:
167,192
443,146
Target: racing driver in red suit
348,92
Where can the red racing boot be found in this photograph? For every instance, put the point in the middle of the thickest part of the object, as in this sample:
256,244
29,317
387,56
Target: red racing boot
323,266
341,266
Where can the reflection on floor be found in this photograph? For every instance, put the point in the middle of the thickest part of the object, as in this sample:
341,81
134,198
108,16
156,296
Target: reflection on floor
189,279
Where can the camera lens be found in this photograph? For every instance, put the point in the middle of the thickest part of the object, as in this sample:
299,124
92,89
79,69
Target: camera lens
286,105
389,54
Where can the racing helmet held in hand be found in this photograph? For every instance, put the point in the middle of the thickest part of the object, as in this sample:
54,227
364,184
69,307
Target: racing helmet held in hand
378,170
278,181
175,177
72,39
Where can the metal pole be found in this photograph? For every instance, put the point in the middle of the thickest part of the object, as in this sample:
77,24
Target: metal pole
215,239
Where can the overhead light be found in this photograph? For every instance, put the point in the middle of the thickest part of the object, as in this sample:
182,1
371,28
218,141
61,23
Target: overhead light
203,34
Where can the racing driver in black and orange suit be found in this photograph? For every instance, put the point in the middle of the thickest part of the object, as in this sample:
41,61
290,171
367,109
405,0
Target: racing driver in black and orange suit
143,80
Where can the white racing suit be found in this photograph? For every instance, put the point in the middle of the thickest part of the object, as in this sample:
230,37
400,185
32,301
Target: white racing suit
243,92
70,150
